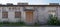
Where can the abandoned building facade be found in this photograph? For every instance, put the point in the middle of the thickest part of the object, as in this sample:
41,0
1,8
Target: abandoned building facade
28,13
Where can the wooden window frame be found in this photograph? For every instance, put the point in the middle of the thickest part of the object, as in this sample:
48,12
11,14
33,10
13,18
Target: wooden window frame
18,14
4,14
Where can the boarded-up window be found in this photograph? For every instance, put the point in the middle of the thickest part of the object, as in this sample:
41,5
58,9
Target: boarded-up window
52,12
17,14
4,14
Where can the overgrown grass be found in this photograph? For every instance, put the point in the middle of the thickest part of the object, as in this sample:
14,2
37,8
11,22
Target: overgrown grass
12,24
15,24
36,24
